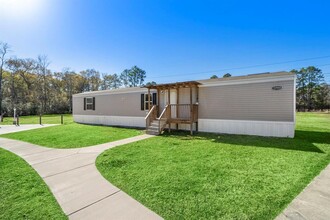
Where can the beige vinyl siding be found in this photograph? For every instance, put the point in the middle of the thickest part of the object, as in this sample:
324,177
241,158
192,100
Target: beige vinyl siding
253,101
184,96
121,104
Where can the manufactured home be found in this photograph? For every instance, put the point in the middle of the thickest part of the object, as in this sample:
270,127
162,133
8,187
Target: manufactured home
256,104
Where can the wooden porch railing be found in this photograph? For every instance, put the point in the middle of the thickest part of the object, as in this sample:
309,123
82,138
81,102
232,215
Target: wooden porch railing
195,113
172,113
152,115
163,118
184,112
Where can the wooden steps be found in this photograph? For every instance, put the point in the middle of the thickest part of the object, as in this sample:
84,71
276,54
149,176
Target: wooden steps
153,128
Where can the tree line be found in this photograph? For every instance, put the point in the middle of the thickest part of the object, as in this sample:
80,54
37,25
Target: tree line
312,91
29,85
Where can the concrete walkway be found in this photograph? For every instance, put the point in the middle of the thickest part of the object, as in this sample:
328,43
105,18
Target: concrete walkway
77,185
313,202
5,129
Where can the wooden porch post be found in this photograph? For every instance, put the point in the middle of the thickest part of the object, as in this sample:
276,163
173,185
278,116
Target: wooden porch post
169,102
197,99
149,99
158,102
191,111
177,106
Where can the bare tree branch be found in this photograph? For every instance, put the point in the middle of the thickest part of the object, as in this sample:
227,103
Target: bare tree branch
4,49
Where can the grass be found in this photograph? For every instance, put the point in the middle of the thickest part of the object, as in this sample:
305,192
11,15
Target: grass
73,135
34,119
23,193
217,176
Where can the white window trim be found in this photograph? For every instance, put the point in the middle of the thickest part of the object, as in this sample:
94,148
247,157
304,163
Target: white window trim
89,103
146,102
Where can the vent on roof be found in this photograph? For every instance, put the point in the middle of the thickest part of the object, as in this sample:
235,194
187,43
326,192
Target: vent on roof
276,87
258,73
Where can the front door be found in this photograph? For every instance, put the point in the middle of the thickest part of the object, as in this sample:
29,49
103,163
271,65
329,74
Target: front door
173,101
164,101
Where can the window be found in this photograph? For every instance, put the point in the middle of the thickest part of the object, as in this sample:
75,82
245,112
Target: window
146,106
89,103
145,100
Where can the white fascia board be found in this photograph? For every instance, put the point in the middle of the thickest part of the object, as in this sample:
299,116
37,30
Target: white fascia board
248,81
112,92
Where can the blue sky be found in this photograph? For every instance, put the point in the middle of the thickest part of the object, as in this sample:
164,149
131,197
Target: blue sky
169,39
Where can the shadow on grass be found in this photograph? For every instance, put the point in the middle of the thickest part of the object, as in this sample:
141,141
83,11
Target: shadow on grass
303,141
112,126
313,136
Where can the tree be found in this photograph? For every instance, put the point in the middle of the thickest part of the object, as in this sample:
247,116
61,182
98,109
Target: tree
308,82
314,78
22,81
92,80
77,85
4,49
226,75
31,87
43,76
24,68
68,79
136,76
106,81
124,77
95,80
132,77
323,96
116,83
110,81
152,83
12,65
214,77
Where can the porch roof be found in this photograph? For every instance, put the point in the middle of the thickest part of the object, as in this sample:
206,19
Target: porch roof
187,84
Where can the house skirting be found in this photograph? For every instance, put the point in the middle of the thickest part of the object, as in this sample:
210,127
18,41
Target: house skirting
125,121
260,128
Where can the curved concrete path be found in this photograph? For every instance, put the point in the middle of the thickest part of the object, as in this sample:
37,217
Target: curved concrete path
5,129
77,185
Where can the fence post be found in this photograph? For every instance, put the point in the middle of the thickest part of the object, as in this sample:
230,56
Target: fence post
61,119
40,119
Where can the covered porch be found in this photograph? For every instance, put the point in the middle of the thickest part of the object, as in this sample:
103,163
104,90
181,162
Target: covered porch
176,107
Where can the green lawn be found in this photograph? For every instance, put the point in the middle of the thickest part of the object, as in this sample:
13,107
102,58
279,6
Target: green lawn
210,176
73,135
34,119
23,193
